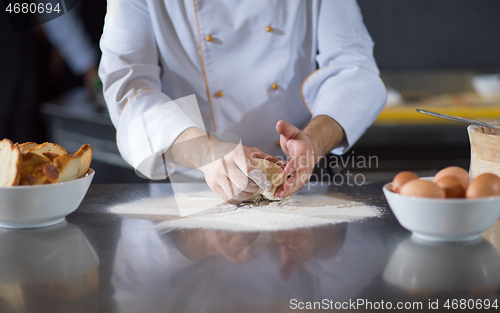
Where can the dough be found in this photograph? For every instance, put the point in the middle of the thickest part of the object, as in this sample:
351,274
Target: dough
275,174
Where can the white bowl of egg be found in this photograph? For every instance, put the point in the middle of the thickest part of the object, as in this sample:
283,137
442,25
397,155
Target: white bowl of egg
446,207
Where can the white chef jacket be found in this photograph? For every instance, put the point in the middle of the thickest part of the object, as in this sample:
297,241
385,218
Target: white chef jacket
249,63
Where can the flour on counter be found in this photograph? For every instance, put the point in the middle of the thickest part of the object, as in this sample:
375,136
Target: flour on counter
201,208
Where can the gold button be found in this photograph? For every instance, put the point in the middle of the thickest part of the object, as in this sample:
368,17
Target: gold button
278,144
219,94
269,29
208,38
275,86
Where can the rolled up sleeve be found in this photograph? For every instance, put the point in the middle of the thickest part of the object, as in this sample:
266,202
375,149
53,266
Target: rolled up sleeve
146,119
347,86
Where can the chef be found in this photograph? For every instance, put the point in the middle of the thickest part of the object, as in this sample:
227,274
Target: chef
294,78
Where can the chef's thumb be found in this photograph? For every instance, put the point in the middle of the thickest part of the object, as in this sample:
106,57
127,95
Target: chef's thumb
286,130
287,269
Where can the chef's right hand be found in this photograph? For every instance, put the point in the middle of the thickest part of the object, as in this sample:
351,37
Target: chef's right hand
233,176
302,244
237,247
228,167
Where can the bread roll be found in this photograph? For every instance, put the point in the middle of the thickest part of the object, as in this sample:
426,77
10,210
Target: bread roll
274,173
29,163
10,163
25,147
48,147
85,154
63,168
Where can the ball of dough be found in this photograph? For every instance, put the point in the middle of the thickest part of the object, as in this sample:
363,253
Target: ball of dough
274,173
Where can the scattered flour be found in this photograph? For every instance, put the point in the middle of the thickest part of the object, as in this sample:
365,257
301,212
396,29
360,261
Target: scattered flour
199,207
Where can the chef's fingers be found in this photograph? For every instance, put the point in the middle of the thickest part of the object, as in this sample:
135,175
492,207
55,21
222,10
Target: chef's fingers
241,196
222,237
258,154
287,132
240,180
280,192
219,191
284,146
233,194
288,265
282,163
298,180
291,167
254,249
298,239
302,159
228,190
231,245
290,171
237,196
254,173
235,183
245,247
287,270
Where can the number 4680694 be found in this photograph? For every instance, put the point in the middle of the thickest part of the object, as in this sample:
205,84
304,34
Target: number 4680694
471,304
32,8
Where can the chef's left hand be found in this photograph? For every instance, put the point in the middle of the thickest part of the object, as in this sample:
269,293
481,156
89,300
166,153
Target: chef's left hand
237,247
299,149
302,244
297,248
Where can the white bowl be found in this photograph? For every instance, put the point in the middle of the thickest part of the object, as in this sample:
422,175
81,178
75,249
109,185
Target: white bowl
423,266
443,219
43,255
487,85
41,205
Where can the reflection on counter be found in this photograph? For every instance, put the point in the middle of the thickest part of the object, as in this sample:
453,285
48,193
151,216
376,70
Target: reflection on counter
216,270
428,268
40,266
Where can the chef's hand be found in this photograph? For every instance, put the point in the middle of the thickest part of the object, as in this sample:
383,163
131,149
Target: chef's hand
305,149
234,177
228,167
300,245
297,248
237,247
299,149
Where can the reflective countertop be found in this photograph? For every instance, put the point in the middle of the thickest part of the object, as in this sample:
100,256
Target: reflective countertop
98,261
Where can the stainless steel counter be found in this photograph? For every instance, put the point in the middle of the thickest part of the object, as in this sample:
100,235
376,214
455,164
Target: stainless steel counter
97,261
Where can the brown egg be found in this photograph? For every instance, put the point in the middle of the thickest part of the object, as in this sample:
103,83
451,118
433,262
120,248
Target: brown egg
401,179
452,186
456,171
485,185
422,188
